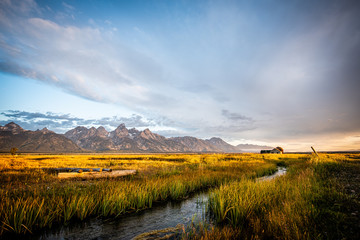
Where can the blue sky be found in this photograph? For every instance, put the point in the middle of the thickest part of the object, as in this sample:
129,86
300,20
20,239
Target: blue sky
269,72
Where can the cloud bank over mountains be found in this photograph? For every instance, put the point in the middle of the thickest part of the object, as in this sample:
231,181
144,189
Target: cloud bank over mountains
63,122
202,68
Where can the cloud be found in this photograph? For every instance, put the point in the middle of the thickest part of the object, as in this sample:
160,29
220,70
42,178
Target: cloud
202,74
19,6
235,116
31,116
68,6
83,61
63,122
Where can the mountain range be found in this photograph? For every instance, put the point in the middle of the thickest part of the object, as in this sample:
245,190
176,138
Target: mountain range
82,139
12,135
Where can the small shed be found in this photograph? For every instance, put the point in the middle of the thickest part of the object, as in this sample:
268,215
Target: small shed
277,150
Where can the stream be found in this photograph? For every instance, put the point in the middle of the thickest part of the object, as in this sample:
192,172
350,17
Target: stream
160,216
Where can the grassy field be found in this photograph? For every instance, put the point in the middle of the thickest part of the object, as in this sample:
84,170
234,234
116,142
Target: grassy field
317,199
32,199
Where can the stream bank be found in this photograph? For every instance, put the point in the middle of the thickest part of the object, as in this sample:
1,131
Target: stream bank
160,216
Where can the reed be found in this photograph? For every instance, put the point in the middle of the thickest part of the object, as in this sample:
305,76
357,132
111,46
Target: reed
308,203
32,198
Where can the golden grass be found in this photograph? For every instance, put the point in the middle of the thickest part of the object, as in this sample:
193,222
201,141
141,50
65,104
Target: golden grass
296,206
89,175
33,198
307,203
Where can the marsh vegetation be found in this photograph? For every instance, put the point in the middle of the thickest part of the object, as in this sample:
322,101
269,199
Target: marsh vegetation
316,199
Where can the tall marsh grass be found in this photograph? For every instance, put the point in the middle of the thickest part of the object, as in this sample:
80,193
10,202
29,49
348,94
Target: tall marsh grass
270,208
32,199
307,203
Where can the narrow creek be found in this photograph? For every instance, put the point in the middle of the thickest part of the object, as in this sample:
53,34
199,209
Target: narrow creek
160,216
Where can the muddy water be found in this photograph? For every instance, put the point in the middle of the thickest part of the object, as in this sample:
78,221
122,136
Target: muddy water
159,217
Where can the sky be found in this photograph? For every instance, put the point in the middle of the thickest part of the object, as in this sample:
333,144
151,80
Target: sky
279,73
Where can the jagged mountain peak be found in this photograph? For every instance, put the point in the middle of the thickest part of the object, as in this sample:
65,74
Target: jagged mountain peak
121,126
102,130
196,145
134,130
12,127
45,130
147,131
79,129
120,131
12,135
147,134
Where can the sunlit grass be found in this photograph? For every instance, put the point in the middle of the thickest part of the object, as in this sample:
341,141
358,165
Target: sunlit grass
33,198
307,203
